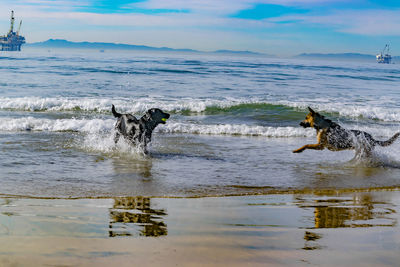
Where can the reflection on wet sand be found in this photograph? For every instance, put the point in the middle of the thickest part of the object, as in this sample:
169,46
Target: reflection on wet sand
272,230
130,213
362,210
310,239
357,210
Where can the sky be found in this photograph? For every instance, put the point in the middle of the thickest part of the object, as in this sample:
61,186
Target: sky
278,27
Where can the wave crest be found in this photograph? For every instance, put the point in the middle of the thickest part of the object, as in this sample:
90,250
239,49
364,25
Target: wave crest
107,125
59,125
235,129
283,109
103,105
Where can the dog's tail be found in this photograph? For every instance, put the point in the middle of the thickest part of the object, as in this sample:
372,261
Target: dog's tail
115,113
388,142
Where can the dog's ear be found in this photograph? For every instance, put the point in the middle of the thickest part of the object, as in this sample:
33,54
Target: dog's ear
147,115
311,110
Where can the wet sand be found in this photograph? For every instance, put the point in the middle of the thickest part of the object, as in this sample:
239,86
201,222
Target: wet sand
304,229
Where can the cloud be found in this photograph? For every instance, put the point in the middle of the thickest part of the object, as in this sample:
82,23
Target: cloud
49,5
360,22
229,7
216,7
204,24
303,3
370,22
208,14
179,20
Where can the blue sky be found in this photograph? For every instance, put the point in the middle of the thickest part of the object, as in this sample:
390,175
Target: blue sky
281,27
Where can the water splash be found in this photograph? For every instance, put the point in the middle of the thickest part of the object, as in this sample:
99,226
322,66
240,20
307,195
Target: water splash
377,157
104,143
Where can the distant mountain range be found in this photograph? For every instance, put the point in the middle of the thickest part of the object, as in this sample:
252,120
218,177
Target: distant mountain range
343,56
340,55
60,43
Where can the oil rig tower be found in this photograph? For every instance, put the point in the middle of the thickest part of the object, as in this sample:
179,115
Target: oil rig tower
384,56
12,41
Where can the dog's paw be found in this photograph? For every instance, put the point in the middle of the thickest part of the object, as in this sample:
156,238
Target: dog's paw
297,151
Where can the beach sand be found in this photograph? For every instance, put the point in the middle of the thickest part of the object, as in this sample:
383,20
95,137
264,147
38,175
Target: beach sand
330,228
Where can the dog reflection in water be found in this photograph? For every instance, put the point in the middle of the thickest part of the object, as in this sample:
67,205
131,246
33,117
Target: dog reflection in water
129,214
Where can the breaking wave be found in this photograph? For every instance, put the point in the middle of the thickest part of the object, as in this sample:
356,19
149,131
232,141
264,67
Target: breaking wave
107,125
60,125
232,129
364,110
282,109
124,105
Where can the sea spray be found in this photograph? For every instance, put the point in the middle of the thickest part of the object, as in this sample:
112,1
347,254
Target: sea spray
376,157
104,143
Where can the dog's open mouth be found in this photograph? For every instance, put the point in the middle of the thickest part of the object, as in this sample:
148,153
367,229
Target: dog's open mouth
305,124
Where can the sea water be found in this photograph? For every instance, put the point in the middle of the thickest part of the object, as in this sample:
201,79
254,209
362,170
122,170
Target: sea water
234,124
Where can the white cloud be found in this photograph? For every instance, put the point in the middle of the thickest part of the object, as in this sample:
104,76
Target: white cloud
165,20
218,7
207,25
360,22
205,14
303,3
222,7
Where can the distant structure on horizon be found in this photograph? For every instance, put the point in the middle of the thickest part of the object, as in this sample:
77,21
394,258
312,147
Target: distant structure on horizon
384,56
12,41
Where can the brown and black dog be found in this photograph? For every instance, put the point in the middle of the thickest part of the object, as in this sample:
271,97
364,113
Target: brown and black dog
332,136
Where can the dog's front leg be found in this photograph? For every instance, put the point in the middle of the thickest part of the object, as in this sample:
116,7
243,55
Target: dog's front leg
311,146
116,137
321,139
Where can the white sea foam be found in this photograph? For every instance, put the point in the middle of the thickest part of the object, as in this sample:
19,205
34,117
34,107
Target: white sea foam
378,157
56,104
368,109
59,125
106,126
99,134
351,110
104,142
123,105
235,129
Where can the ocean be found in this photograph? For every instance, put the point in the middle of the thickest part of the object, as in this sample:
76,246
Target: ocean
234,124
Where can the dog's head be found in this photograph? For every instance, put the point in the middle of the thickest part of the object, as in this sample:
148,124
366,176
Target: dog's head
316,120
156,115
310,119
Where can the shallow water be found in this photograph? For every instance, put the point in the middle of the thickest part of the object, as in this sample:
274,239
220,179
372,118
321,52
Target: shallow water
233,125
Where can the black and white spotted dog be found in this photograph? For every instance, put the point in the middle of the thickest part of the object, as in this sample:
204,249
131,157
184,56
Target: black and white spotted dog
138,132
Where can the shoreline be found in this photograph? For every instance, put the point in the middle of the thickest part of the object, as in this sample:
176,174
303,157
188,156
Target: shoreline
257,230
305,191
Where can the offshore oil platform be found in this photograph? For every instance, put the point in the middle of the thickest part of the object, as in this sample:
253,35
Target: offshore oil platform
12,41
384,56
